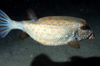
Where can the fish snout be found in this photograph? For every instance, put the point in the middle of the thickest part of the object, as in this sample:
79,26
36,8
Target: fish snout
91,36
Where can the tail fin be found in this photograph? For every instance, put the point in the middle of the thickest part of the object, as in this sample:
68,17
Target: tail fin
4,21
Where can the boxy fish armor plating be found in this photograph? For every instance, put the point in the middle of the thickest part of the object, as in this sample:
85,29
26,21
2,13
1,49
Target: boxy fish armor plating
51,30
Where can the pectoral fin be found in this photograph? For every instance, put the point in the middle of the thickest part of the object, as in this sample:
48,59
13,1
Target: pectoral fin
23,35
74,44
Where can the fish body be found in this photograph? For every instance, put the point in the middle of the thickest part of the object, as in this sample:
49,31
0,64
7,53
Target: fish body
52,30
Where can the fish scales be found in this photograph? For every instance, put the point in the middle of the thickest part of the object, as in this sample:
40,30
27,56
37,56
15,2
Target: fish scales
53,30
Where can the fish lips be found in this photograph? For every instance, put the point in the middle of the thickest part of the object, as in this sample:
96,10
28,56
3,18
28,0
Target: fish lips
91,36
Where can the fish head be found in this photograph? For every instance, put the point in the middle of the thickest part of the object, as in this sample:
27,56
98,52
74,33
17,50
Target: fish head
84,32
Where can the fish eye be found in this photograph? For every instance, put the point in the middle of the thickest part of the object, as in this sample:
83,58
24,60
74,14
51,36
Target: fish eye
85,27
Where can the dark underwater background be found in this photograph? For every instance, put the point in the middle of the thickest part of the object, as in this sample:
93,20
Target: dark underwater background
28,52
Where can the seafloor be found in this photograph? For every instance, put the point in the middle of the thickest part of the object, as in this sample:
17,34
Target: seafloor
28,52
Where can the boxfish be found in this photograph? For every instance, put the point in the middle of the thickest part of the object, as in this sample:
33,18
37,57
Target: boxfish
50,30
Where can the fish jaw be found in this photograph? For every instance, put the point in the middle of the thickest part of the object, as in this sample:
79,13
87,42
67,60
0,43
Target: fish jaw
92,36
85,35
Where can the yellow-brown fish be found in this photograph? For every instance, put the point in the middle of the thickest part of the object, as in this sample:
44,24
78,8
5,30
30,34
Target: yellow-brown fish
51,31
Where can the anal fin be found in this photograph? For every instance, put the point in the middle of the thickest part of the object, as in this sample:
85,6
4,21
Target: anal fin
23,35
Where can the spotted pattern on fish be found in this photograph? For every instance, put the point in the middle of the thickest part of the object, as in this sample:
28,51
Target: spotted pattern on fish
53,30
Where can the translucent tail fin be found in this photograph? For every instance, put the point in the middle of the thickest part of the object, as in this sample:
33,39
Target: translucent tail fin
4,21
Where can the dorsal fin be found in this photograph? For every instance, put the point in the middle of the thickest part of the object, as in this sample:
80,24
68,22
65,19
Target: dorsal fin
31,14
33,17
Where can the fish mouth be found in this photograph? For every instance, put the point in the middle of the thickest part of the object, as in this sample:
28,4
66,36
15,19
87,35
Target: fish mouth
91,36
